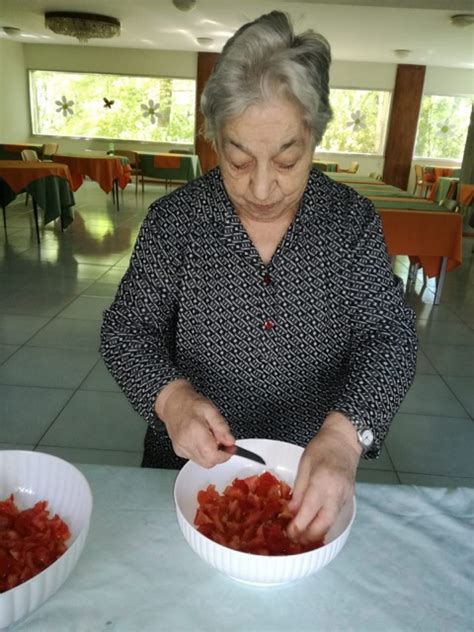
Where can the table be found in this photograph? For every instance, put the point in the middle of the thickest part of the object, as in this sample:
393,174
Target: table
110,172
12,151
414,226
49,184
406,566
326,165
432,239
168,167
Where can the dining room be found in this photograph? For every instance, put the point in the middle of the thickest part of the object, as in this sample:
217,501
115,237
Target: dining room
119,104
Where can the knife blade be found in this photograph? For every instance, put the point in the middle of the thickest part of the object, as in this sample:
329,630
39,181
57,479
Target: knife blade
236,450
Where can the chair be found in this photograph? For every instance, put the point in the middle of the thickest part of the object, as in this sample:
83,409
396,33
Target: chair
375,175
29,155
422,181
48,150
186,152
354,168
132,161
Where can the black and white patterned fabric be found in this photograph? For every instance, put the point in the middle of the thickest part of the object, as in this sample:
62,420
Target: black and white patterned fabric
322,327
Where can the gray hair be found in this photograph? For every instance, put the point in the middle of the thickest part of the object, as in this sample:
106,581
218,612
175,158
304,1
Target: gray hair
265,59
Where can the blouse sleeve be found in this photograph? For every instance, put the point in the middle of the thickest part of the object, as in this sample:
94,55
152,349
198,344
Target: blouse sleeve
384,344
137,339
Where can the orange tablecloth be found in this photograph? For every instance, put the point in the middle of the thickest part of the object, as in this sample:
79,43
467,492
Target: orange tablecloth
19,174
102,169
427,236
167,161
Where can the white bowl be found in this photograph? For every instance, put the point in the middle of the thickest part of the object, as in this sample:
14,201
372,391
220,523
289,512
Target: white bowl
282,459
34,476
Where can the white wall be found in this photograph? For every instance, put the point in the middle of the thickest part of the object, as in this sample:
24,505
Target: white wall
14,109
21,58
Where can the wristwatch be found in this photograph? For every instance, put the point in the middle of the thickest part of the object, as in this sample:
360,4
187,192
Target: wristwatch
365,436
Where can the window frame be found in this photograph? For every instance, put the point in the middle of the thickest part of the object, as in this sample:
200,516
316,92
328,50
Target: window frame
416,157
107,139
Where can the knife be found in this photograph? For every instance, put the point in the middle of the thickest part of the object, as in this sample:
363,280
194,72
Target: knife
236,450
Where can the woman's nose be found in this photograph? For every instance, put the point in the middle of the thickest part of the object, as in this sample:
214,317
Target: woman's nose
261,183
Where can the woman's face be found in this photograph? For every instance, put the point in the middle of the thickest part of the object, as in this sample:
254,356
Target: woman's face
265,155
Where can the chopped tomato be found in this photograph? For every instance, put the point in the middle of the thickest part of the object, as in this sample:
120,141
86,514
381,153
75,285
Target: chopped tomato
251,515
29,541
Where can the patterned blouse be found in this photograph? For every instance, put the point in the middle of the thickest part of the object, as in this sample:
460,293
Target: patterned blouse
276,347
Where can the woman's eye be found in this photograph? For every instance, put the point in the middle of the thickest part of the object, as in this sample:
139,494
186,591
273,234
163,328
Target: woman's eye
240,167
287,167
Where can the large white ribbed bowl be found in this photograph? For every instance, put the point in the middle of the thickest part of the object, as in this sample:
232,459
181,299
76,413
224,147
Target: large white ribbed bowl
34,476
282,459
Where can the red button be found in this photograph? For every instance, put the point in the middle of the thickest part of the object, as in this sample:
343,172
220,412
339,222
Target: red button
268,324
267,279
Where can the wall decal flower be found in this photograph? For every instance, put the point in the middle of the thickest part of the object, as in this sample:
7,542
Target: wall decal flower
108,103
445,128
65,106
151,110
358,121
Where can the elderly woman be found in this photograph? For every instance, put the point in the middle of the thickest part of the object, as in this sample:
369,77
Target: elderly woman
259,301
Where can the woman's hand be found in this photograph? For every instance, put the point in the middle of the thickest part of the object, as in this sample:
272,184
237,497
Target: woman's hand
325,479
194,424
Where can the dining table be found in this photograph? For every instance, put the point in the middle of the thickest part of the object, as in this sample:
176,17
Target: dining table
12,151
426,232
49,184
407,566
168,167
110,172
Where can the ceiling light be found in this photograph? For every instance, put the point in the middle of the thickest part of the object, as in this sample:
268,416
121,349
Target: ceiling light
11,30
184,5
462,19
83,26
402,53
205,41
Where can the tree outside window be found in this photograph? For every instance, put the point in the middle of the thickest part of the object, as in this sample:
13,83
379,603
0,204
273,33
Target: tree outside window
112,106
442,126
359,123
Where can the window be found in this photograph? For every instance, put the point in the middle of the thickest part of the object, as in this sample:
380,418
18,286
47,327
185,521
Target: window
442,127
359,123
112,106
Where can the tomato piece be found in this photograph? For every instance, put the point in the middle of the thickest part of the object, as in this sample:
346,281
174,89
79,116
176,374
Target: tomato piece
251,515
29,541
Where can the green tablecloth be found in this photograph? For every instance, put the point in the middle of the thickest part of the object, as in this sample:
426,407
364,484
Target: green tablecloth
190,168
409,204
52,194
324,165
353,177
443,186
378,190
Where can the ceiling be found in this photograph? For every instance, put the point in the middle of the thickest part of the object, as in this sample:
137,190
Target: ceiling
361,30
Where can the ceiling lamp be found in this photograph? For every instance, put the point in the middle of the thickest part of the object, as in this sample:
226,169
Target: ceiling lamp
462,19
83,26
184,5
11,30
402,53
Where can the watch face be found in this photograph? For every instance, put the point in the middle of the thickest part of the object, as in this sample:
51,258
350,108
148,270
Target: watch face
366,437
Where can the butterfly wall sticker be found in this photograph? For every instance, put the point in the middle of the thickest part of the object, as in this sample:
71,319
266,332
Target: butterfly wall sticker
108,103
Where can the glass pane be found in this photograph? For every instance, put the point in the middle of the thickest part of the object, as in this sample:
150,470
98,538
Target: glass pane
442,127
112,106
359,123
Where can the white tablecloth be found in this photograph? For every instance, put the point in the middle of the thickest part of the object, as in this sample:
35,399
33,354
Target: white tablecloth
408,565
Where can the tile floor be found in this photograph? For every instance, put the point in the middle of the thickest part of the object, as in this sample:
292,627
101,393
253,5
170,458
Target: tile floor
56,395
